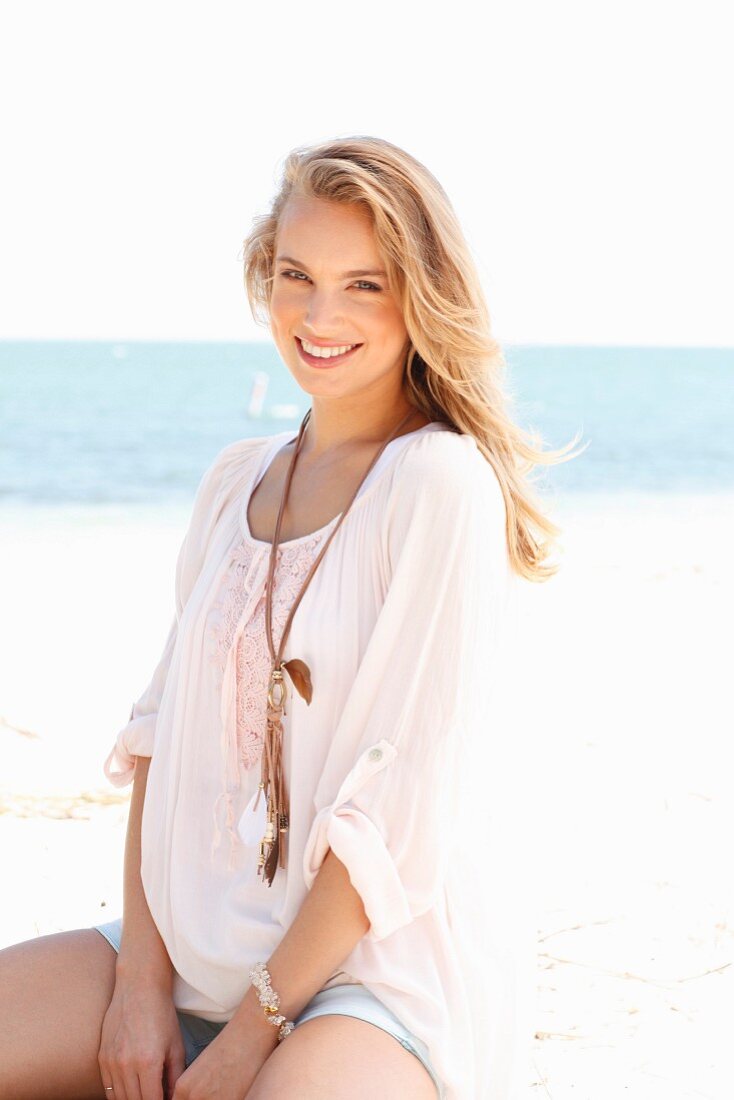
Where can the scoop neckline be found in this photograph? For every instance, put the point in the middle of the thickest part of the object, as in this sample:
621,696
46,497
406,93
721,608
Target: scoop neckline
269,452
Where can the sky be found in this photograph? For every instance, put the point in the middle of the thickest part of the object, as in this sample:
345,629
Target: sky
584,146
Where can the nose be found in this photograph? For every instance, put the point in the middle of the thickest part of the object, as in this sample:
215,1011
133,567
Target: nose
323,317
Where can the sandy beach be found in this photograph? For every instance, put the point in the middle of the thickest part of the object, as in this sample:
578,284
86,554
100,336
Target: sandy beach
628,660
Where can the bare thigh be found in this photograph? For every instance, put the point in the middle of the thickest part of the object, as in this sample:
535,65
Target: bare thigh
54,993
335,1057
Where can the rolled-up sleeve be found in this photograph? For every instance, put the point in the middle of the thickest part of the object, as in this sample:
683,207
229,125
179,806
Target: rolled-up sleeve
137,737
389,801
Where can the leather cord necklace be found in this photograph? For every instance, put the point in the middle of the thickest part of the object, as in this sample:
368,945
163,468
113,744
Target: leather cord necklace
273,845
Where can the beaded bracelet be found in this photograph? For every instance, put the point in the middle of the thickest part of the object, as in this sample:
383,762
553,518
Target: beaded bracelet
269,999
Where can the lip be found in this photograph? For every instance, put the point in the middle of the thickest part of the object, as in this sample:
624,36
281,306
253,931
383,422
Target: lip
324,364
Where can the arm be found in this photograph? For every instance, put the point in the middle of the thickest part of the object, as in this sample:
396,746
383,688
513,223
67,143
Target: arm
330,922
410,775
141,1040
142,954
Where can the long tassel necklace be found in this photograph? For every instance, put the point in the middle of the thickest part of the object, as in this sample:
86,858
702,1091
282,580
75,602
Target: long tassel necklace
273,846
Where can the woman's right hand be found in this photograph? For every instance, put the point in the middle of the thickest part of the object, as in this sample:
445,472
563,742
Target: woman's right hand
141,1052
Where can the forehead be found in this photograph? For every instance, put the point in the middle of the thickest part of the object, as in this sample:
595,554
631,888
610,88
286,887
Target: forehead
321,230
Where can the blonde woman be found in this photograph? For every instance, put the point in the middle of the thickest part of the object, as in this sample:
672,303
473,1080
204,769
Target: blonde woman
308,846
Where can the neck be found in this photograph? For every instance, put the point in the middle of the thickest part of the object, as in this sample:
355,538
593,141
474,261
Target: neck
333,426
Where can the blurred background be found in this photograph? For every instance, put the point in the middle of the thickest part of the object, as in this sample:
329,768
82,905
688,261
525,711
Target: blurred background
584,149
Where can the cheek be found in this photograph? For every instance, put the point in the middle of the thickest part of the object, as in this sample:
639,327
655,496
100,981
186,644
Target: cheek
393,326
278,301
278,318
283,315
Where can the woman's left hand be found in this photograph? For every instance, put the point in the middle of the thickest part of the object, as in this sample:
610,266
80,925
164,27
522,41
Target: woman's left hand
227,1067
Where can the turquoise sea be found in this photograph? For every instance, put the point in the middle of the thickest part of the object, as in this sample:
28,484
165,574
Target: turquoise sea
90,424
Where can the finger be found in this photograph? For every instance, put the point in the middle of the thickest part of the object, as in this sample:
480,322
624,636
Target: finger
151,1083
175,1066
105,1076
118,1086
107,1085
132,1085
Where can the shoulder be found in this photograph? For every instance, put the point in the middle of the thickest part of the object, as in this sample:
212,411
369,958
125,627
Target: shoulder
235,462
224,478
237,454
443,489
217,499
447,468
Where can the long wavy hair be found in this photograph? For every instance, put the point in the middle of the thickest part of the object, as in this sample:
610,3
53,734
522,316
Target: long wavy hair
455,370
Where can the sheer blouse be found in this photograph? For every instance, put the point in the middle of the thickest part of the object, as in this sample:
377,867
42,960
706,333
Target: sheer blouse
396,764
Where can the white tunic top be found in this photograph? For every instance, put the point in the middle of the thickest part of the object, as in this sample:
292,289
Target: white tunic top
396,764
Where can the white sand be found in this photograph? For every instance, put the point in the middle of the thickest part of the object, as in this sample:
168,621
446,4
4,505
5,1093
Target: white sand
627,711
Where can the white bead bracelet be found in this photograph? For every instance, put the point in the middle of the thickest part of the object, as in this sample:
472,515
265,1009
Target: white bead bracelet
269,999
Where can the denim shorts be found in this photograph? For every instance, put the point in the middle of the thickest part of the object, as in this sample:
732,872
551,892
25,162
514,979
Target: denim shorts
341,1000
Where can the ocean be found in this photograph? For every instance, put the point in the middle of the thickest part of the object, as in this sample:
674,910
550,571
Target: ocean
121,426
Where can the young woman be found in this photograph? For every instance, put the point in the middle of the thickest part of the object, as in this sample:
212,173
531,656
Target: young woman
312,867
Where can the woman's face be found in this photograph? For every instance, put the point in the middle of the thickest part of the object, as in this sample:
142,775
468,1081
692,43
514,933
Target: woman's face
329,290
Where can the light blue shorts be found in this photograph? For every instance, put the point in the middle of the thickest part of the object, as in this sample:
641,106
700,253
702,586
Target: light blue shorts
341,1000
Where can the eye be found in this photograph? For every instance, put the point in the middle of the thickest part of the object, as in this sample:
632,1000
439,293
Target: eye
370,286
299,276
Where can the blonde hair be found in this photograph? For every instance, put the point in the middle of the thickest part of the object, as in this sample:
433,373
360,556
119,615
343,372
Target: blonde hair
455,369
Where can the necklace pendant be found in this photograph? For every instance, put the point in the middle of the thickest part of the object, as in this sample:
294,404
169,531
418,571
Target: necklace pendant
277,687
267,842
300,674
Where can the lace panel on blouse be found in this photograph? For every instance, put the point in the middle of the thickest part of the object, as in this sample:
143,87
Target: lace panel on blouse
253,663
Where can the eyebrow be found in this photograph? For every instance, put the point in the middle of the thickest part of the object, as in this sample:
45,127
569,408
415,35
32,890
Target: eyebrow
346,274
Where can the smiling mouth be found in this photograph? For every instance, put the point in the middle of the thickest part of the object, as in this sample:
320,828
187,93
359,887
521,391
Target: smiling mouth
328,360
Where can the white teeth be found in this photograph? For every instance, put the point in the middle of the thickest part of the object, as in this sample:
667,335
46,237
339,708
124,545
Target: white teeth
326,353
